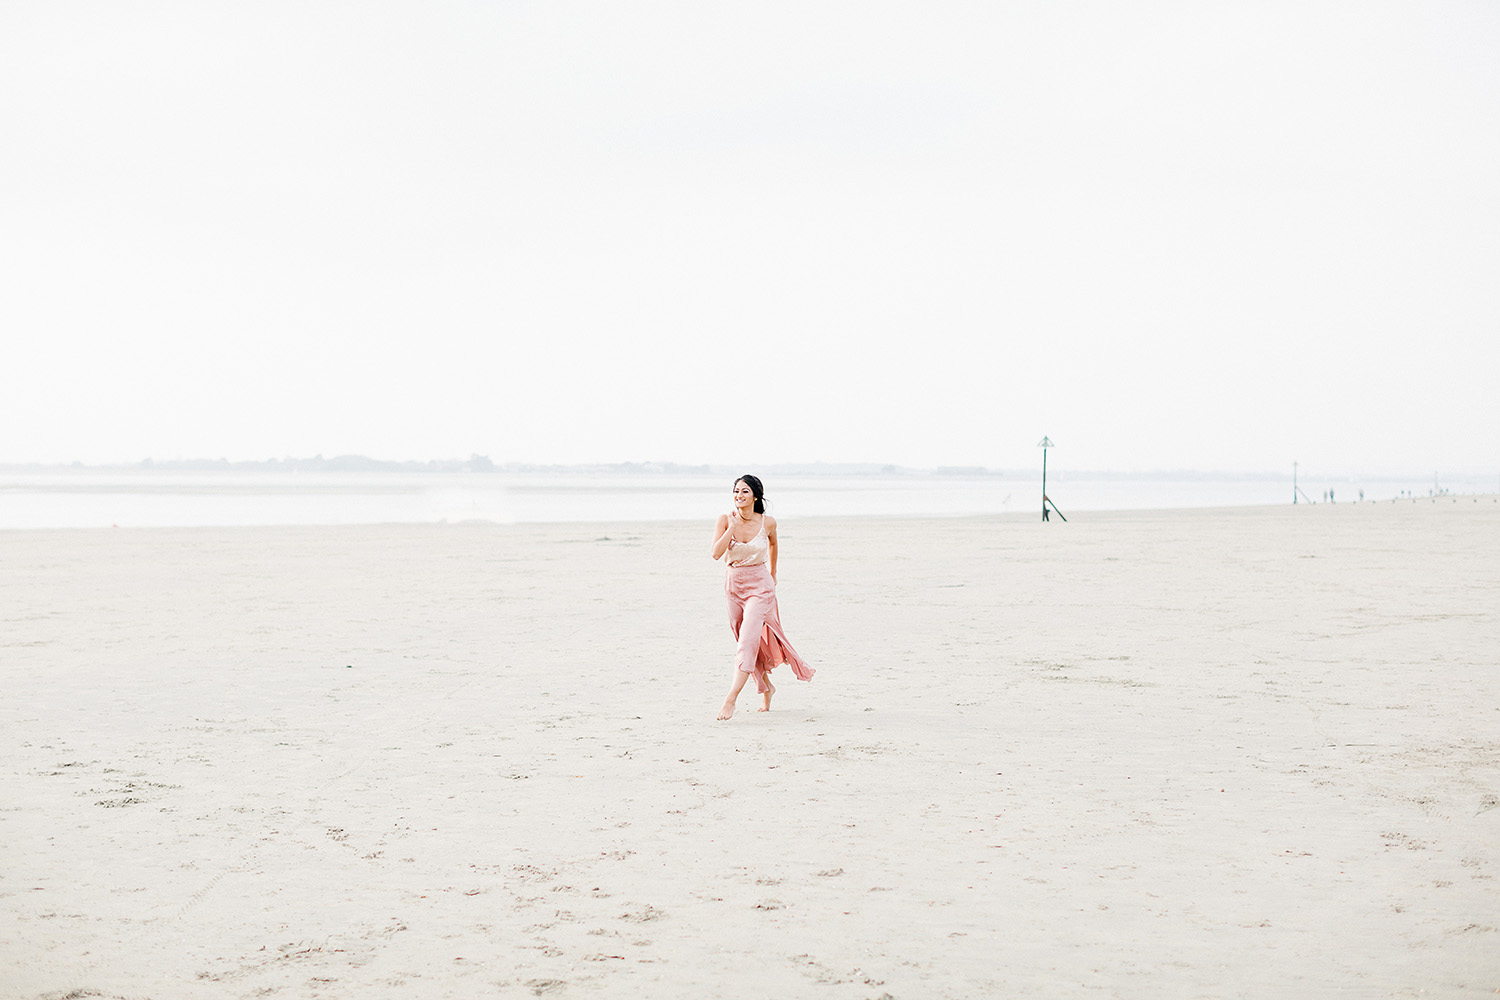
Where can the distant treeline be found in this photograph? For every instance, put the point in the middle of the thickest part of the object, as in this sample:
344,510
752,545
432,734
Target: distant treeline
354,463
338,463
483,463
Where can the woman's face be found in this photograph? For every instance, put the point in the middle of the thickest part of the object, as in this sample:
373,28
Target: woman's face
744,497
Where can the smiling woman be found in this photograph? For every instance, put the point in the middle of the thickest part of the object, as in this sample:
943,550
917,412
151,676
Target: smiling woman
745,539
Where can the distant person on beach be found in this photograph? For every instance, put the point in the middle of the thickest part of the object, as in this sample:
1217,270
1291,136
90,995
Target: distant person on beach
745,539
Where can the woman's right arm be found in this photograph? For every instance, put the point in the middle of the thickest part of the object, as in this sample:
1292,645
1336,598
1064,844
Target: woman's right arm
723,536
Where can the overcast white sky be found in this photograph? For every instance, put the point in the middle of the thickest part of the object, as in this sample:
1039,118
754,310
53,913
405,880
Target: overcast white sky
1168,235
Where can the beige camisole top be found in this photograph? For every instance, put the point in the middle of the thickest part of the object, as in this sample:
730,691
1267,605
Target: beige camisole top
755,552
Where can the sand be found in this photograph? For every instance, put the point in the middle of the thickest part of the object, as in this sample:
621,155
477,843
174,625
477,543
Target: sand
1218,753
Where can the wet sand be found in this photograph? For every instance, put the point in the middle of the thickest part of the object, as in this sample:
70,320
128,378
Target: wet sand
1217,753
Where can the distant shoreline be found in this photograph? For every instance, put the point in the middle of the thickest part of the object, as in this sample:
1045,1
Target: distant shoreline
255,494
482,464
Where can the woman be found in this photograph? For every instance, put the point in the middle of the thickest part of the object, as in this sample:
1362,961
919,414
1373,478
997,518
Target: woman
745,539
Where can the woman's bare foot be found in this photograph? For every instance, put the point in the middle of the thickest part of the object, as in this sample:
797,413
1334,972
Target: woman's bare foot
736,685
766,698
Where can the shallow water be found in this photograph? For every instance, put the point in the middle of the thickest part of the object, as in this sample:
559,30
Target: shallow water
68,498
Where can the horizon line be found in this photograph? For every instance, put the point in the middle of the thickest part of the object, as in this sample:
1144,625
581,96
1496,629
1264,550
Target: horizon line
477,463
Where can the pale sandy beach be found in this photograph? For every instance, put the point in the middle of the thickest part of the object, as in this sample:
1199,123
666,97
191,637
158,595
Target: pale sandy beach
1221,753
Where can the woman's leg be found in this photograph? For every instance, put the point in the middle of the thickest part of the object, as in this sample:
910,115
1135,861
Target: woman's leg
752,626
736,685
736,606
749,603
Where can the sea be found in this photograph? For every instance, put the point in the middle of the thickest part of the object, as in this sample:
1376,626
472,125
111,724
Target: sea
67,497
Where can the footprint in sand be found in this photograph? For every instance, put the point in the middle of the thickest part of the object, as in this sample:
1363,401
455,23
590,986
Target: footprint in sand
644,915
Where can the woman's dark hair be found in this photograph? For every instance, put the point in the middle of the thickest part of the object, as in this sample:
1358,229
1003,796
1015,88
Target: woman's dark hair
757,489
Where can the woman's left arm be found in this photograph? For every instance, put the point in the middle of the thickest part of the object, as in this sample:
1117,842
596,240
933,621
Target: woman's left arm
771,537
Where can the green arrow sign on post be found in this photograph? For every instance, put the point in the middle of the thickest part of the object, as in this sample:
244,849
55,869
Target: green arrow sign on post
1044,444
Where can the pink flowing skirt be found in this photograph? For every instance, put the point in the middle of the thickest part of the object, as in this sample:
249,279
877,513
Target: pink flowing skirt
755,621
